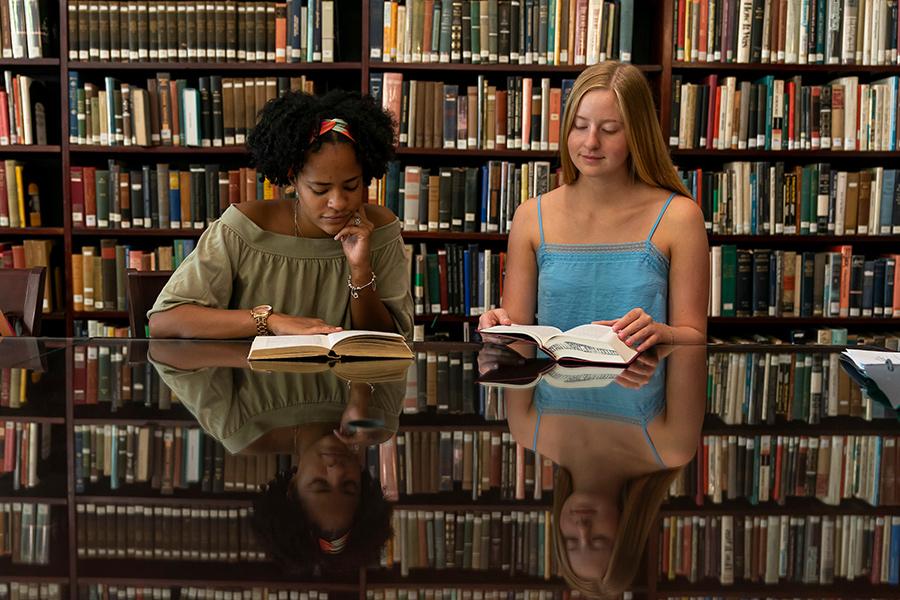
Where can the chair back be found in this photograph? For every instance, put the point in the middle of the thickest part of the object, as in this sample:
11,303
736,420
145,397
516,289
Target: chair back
22,297
143,289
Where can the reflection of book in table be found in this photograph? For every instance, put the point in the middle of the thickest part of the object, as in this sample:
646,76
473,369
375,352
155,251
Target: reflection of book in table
371,371
354,343
585,343
558,375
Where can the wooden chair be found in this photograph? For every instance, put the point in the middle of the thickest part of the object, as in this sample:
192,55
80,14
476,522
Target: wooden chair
22,297
143,289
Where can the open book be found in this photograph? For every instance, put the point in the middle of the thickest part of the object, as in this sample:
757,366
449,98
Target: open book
556,374
370,371
585,343
353,344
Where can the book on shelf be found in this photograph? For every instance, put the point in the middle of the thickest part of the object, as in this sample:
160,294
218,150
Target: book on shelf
24,451
783,114
786,283
23,106
461,199
501,32
527,115
775,549
26,589
215,111
766,198
25,529
342,344
771,469
275,32
832,33
193,532
456,279
510,542
248,591
586,343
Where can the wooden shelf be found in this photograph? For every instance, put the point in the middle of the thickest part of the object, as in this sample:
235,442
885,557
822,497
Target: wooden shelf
505,68
454,236
51,500
54,316
137,422
805,240
32,231
135,232
224,500
526,505
678,66
445,319
476,153
34,579
804,321
217,583
5,415
29,149
194,151
681,507
100,314
29,62
860,588
214,67
773,155
191,573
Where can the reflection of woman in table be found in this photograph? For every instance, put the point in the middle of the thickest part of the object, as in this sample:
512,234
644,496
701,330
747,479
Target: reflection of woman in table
617,447
327,512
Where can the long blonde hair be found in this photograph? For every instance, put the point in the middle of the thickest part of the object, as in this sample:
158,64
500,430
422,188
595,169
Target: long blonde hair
641,499
648,158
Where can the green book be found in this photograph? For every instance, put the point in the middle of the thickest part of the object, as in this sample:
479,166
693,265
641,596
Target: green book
102,195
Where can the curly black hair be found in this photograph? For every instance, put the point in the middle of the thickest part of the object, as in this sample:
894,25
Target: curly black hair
284,530
283,137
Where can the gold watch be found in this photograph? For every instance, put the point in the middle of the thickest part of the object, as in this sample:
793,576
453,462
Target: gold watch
261,315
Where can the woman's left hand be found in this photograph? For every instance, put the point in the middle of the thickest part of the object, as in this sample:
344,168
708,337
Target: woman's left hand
354,239
637,327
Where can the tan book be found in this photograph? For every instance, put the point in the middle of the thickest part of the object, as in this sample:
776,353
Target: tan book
141,116
259,90
434,202
77,283
250,107
228,121
37,254
490,118
185,187
238,107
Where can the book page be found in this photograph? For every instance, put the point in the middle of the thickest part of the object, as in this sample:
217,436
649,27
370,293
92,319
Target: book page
275,342
335,338
591,332
541,333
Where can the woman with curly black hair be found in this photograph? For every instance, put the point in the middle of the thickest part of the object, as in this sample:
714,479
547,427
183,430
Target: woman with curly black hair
320,263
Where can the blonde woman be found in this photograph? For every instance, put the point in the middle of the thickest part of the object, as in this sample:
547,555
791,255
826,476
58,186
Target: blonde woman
617,447
620,242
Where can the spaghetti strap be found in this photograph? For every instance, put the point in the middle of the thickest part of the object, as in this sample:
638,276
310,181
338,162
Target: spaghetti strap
537,427
540,221
650,443
658,218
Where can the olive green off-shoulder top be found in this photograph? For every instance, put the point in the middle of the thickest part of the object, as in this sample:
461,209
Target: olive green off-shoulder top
237,264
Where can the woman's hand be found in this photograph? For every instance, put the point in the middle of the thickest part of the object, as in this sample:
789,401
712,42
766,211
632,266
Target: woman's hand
280,324
495,316
637,327
354,239
639,371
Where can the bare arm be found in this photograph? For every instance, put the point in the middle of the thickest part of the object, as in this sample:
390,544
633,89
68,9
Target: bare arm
688,276
203,322
368,311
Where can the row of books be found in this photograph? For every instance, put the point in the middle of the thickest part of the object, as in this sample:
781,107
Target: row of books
457,279
99,591
291,31
37,253
512,542
469,199
24,30
543,32
480,462
24,590
468,593
764,387
23,447
837,283
430,114
849,32
20,201
98,278
442,382
217,111
162,196
769,468
94,328
23,116
778,114
809,549
135,531
25,532
13,388
168,458
766,198
103,373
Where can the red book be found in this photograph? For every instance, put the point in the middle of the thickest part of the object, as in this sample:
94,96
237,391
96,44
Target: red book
79,374
791,105
234,186
712,112
875,571
18,253
4,117
89,180
76,192
779,448
9,449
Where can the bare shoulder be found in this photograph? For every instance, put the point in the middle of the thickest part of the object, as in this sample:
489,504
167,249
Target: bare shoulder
261,212
684,211
379,215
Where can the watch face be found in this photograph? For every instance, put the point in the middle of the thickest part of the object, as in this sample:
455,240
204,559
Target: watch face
261,310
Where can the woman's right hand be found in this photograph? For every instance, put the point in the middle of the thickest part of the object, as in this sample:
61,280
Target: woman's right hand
495,316
280,324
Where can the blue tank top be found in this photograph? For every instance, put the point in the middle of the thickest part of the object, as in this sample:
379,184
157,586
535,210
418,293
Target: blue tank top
636,406
580,283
